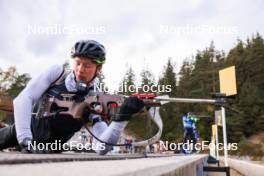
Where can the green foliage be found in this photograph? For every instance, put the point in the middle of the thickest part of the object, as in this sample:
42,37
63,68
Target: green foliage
128,81
142,126
147,80
12,83
199,78
169,78
138,128
248,58
185,79
245,148
18,85
172,125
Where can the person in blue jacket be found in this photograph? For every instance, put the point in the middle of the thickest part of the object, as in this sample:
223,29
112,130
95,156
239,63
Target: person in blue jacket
188,124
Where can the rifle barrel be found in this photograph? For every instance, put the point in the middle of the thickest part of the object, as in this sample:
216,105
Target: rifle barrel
186,100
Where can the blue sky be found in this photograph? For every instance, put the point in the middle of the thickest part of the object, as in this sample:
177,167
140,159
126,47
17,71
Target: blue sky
135,33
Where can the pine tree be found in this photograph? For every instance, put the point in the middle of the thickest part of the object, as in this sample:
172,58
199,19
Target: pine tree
172,125
128,85
169,79
185,78
248,58
147,80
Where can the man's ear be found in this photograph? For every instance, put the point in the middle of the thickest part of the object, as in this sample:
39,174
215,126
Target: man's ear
99,69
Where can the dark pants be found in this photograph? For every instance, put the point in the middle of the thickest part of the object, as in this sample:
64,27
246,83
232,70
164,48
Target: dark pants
8,137
46,130
189,135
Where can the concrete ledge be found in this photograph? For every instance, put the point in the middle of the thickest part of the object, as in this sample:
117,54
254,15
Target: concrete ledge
175,165
191,165
245,167
18,158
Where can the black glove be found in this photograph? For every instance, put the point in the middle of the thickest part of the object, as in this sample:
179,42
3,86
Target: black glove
85,114
89,116
24,146
130,106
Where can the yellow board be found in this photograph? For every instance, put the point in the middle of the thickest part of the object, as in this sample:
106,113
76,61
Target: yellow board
227,78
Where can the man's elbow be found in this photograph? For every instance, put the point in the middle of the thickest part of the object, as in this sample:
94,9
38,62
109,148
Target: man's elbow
101,152
103,149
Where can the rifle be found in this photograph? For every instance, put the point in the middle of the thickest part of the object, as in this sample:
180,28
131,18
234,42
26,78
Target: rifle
107,106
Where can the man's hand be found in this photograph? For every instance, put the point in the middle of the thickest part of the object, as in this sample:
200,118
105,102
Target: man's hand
130,106
27,149
24,146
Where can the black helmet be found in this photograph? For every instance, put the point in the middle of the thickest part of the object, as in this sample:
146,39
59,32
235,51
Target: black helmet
90,49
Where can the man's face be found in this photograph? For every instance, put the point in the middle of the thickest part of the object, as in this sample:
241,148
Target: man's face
84,68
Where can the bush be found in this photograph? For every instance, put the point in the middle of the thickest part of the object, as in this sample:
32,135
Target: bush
245,148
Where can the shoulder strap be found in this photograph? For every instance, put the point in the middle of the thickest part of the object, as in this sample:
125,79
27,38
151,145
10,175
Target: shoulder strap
62,76
37,110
